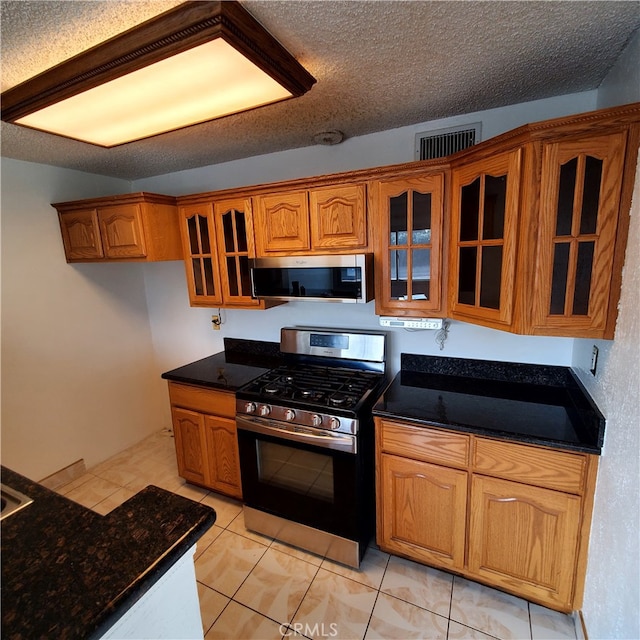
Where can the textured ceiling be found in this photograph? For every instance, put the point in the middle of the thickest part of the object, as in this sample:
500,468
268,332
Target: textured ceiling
378,65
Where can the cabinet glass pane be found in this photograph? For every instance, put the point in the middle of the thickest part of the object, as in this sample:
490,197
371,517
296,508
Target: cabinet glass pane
583,278
398,263
491,277
245,276
398,207
241,231
495,192
421,273
421,218
591,195
197,276
467,278
559,278
204,235
232,274
566,194
207,266
227,231
193,235
469,211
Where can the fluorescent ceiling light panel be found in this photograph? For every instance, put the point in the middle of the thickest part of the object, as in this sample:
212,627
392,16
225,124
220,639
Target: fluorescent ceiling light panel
219,72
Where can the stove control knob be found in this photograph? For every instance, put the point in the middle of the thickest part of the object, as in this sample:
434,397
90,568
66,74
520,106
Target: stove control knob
289,415
265,410
316,420
334,423
250,407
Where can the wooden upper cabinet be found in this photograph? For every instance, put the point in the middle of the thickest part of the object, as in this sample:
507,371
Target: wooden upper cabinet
122,231
338,217
408,220
323,219
200,255
81,235
282,222
133,227
580,191
483,239
235,241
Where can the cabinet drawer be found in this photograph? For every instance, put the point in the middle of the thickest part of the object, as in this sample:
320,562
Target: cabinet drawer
548,468
220,403
423,443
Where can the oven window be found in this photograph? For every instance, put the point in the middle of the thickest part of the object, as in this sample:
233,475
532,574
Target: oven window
304,472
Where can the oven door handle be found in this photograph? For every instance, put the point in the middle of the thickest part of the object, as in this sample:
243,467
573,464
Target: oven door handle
306,435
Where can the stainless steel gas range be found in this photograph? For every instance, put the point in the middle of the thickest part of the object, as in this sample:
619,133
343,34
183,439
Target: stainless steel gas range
306,441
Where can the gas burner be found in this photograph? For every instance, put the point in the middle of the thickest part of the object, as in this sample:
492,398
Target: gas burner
272,389
306,393
338,399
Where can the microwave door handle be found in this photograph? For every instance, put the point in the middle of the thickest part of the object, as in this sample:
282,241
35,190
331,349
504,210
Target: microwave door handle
331,441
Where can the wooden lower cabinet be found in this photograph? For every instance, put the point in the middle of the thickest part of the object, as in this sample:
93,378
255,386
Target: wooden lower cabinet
205,436
423,510
509,515
524,538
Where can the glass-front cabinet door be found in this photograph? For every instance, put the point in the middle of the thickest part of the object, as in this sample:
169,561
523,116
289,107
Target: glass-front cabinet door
201,260
409,237
484,215
234,227
580,196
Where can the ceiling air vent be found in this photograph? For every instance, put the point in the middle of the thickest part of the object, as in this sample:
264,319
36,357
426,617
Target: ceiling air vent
444,142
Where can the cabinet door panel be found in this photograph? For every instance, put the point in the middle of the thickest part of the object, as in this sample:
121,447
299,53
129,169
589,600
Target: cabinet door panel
122,231
234,232
81,234
485,201
423,510
222,454
524,538
580,197
188,429
338,217
200,255
409,244
283,222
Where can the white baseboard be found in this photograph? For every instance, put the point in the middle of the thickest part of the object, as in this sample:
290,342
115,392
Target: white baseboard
65,475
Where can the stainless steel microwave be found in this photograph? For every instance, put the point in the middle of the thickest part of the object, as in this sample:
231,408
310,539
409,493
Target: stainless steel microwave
326,278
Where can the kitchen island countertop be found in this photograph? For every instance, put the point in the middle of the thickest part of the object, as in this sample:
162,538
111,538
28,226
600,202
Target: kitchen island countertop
534,404
68,572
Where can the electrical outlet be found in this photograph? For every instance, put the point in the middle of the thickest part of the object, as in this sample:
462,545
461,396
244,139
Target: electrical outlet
216,322
594,360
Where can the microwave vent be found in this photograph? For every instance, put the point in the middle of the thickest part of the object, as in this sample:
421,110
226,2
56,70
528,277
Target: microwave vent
444,142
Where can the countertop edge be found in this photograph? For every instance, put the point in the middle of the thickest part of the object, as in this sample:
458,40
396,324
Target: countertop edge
489,433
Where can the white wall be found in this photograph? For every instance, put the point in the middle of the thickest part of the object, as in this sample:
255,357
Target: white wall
77,357
612,587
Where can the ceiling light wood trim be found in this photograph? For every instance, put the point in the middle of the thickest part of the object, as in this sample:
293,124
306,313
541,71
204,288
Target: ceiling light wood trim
172,32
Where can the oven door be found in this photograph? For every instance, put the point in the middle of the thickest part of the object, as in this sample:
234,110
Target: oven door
304,475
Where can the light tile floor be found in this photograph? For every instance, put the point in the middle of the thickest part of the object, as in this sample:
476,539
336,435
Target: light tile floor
251,586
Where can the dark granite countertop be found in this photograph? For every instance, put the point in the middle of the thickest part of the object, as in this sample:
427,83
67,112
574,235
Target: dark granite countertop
68,572
536,404
239,363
